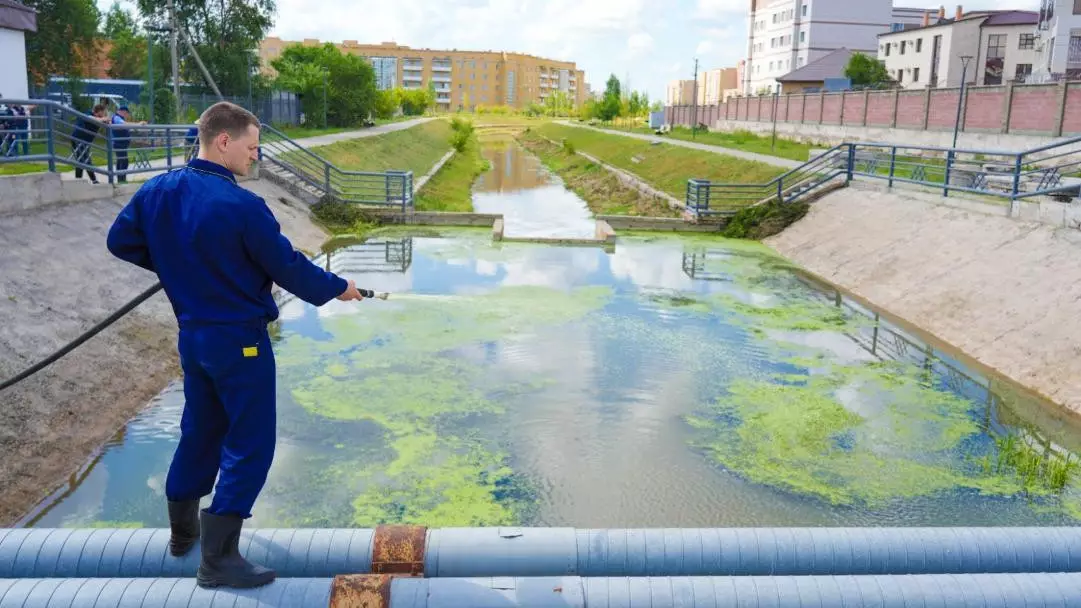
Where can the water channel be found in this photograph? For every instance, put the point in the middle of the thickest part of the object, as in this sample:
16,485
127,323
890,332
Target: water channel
674,382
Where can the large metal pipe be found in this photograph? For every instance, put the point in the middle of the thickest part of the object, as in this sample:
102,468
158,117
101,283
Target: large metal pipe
954,590
467,552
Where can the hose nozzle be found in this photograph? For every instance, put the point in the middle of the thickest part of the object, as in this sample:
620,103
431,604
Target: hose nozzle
368,293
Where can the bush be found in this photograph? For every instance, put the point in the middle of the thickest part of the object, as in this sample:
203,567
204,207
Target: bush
765,220
340,217
462,130
568,147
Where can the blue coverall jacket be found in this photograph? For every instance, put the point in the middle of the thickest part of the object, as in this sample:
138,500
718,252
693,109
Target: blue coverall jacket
217,250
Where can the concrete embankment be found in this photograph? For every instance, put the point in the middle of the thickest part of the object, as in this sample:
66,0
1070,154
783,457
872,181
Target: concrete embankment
57,279
1004,291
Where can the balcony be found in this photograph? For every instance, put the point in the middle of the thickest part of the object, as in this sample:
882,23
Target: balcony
441,79
438,67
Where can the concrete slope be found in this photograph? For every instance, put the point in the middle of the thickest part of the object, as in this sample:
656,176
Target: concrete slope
57,280
1005,292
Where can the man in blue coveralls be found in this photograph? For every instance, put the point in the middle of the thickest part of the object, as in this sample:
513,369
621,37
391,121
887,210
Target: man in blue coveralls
217,249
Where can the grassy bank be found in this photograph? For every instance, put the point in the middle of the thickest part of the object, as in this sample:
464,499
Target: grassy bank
663,166
451,189
603,192
415,149
744,141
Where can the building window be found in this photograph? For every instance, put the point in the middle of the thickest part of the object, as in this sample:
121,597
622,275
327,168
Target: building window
803,37
904,43
1023,72
897,27
888,45
1028,41
799,61
915,74
900,76
919,45
804,10
996,52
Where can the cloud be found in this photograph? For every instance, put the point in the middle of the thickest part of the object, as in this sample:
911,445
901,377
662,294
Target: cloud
676,67
640,43
704,48
720,9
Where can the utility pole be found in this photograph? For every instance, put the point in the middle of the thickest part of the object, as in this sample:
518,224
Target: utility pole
694,111
176,62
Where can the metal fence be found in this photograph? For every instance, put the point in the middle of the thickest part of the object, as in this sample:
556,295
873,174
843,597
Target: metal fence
1053,170
278,108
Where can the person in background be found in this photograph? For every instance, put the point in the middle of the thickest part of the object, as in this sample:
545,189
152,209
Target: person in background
122,140
191,140
21,127
86,130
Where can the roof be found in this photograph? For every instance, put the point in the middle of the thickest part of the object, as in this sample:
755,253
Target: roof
828,66
989,18
17,16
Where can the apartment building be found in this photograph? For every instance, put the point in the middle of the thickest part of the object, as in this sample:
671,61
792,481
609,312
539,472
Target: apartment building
1000,44
1058,41
785,35
713,83
679,93
462,79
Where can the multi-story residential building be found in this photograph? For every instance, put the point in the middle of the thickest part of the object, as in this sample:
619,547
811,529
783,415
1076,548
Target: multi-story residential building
461,79
680,93
1058,41
785,35
1000,46
713,83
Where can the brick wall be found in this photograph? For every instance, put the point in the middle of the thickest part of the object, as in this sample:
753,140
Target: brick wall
1047,109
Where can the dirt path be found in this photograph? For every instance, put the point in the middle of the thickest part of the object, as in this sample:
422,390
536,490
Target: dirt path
56,281
1003,291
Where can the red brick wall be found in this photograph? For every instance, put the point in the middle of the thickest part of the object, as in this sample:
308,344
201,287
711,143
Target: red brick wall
880,108
1033,108
910,109
854,105
983,108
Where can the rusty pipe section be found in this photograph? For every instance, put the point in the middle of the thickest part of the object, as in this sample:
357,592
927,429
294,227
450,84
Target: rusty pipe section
32,553
389,591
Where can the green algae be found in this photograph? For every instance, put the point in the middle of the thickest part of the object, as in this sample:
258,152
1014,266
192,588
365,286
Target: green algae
110,524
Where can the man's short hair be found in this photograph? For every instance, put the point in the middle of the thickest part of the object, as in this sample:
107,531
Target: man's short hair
98,109
224,117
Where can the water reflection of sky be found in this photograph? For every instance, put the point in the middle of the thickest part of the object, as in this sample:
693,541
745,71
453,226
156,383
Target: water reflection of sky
604,441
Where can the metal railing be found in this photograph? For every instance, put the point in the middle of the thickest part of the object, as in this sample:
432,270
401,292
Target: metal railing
56,136
385,188
1051,170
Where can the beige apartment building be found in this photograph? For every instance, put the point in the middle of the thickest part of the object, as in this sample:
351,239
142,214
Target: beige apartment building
680,93
712,85
462,79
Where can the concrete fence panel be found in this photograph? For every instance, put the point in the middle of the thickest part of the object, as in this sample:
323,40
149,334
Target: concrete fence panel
1071,117
943,112
812,109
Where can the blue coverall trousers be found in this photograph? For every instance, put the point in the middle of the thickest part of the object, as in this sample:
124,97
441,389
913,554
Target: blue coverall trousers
229,417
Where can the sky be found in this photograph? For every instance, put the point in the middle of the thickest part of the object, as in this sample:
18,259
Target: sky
647,43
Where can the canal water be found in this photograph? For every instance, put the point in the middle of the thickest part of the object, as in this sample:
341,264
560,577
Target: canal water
672,382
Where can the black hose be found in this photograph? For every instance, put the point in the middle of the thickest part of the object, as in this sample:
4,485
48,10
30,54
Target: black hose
90,333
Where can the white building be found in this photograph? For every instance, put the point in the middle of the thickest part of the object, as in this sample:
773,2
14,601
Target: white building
1058,41
1000,46
787,34
15,20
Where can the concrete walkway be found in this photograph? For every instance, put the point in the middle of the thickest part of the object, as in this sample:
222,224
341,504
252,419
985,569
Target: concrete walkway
762,158
308,142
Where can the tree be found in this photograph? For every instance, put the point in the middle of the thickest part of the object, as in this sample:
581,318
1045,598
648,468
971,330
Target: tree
350,82
127,51
386,103
224,32
415,102
863,70
65,40
610,104
558,103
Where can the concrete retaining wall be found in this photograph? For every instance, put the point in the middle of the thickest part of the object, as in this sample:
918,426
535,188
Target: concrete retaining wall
671,224
434,218
34,190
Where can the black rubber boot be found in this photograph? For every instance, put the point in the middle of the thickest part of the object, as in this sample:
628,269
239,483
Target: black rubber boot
183,525
222,564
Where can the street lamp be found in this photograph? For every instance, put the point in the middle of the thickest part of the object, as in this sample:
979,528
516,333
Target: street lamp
965,59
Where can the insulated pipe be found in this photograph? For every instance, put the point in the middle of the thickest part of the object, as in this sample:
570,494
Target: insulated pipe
508,551
382,591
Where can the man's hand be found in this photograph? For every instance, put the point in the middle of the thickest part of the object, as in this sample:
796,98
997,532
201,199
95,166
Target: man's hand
350,293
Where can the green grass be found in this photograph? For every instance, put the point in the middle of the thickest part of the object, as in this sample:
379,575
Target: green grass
481,120
451,189
298,132
603,192
664,166
415,149
744,141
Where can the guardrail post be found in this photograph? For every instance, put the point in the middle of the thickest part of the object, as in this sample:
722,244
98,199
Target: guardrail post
387,198
780,189
1016,178
893,164
168,147
109,152
946,180
851,163
50,138
326,178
